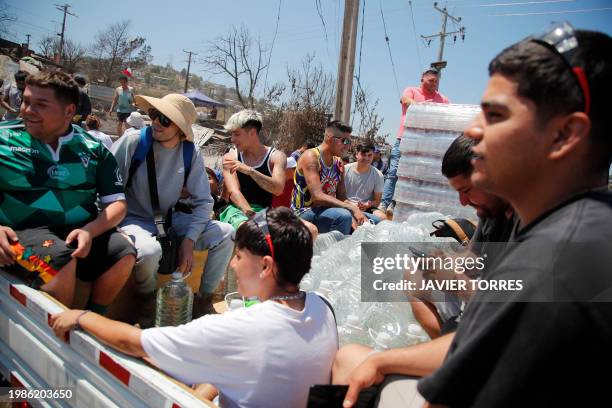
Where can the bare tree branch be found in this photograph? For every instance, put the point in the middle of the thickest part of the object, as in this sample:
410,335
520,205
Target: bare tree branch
113,48
231,55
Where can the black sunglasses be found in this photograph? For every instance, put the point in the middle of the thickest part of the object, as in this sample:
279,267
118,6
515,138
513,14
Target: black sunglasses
560,38
163,119
261,219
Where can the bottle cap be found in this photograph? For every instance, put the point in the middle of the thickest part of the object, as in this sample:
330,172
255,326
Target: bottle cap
177,275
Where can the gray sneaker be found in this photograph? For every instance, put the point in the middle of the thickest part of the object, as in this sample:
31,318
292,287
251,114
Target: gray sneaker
382,207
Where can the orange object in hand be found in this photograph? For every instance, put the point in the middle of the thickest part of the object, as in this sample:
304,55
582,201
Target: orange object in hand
34,263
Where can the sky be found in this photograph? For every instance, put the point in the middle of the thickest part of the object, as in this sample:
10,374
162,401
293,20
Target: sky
171,27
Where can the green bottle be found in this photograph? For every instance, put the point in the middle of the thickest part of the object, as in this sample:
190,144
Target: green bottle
250,301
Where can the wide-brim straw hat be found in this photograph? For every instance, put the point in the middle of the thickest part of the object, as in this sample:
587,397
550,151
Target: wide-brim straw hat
178,108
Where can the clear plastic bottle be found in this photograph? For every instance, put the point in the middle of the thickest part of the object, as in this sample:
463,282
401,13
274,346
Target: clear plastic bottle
174,302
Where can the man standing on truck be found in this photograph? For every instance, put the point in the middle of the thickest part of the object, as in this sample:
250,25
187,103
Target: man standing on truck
427,92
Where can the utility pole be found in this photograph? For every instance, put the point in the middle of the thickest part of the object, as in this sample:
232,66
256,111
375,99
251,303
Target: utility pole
64,9
28,43
443,34
346,64
188,68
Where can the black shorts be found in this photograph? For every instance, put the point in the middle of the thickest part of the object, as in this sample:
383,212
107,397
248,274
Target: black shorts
48,244
122,116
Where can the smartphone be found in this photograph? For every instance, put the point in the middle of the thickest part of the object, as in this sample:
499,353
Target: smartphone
331,396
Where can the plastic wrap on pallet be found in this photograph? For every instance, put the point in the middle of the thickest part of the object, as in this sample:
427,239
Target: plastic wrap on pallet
430,128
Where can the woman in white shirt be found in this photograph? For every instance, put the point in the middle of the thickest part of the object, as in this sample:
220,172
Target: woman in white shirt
268,354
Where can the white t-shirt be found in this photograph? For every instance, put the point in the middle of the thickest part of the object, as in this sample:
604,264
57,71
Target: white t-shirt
103,137
267,355
362,186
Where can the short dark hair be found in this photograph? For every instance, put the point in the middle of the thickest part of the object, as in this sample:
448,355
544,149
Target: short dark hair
21,75
252,124
291,240
310,144
64,87
123,77
365,147
430,71
543,77
338,127
457,159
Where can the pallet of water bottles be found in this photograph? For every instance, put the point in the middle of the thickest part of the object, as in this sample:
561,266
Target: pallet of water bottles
79,372
429,130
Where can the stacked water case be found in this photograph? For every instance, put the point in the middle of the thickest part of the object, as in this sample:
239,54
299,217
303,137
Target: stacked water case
430,128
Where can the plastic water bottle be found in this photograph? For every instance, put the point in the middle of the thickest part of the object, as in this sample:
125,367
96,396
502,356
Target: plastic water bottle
174,302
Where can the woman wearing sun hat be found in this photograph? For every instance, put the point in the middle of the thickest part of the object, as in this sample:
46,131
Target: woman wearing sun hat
172,117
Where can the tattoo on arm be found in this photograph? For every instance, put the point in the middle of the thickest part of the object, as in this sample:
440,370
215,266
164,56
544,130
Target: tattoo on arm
265,182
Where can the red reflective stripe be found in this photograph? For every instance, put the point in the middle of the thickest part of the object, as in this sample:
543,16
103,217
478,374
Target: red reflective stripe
115,369
15,381
584,84
175,405
21,298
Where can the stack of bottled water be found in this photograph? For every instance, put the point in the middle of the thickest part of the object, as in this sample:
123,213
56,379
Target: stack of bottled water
336,274
430,128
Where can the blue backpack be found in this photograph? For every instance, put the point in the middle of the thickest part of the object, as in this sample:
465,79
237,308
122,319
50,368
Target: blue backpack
145,144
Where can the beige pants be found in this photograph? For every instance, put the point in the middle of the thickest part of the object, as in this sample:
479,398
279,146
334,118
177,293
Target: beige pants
400,391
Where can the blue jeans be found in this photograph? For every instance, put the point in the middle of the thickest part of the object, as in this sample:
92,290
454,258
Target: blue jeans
329,219
391,178
372,217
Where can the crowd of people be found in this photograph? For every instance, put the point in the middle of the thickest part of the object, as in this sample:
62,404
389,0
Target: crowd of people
533,164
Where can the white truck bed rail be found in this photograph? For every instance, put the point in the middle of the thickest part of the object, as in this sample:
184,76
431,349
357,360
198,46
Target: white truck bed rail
31,356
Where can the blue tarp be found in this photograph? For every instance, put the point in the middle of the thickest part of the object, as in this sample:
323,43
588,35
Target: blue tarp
199,99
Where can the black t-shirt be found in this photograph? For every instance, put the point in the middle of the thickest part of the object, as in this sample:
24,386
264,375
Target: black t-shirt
250,189
549,344
491,237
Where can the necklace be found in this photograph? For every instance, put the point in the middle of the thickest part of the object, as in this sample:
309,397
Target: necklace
298,295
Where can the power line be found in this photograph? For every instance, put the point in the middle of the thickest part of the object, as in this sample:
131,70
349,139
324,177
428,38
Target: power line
443,34
416,43
389,49
525,3
272,46
551,12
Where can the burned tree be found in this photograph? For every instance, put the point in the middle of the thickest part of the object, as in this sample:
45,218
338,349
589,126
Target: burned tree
240,57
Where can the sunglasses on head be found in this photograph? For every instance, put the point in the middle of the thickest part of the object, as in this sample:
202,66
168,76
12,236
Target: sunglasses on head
561,39
261,219
163,119
345,141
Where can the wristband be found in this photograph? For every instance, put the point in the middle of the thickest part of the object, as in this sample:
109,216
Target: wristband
77,325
